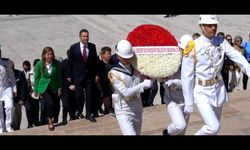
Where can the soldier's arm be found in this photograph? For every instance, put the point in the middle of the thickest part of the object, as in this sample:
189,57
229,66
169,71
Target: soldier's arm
121,86
237,57
187,75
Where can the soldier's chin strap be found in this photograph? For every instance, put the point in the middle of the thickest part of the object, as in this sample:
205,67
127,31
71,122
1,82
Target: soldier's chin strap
203,29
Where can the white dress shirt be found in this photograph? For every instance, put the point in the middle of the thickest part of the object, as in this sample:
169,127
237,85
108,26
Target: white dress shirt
81,47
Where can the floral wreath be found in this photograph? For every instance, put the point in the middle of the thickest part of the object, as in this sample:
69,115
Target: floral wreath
156,52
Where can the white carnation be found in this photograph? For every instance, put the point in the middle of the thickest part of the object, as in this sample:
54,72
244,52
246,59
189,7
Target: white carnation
157,65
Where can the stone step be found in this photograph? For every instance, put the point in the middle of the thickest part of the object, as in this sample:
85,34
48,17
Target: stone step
235,121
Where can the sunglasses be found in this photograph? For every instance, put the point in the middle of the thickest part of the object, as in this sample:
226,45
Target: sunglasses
229,39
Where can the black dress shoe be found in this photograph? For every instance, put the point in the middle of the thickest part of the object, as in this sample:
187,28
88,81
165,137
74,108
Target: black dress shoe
73,118
106,112
95,115
101,111
80,116
37,124
64,122
30,126
165,132
90,118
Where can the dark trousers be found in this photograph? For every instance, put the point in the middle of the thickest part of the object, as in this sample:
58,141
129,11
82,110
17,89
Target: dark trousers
43,113
84,93
35,104
162,90
17,116
51,102
152,94
57,110
32,111
145,96
149,94
97,100
68,103
244,80
225,76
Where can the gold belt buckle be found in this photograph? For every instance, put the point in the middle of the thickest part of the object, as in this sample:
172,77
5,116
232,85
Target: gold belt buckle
208,82
213,81
200,82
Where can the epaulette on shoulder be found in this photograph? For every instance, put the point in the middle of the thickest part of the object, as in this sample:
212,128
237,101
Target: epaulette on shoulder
188,48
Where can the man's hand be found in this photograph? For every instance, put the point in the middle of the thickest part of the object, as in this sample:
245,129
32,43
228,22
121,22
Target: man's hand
37,95
20,103
72,87
59,92
69,80
97,79
14,94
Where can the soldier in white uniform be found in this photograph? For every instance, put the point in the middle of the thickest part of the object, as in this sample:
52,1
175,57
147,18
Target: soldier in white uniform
202,83
173,97
7,87
127,86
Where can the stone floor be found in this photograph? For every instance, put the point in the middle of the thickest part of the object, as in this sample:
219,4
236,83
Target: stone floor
235,121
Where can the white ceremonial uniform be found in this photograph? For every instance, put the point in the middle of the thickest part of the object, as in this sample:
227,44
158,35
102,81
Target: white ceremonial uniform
127,100
173,97
7,87
202,83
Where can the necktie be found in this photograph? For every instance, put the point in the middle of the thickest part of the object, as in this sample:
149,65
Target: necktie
84,54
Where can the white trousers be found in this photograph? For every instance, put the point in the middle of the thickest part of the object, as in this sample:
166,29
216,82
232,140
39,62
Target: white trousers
6,100
178,118
130,123
211,116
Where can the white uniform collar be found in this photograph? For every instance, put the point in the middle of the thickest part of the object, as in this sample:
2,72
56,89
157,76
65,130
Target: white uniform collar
204,38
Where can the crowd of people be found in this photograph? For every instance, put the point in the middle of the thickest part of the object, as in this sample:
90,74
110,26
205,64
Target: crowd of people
78,80
108,83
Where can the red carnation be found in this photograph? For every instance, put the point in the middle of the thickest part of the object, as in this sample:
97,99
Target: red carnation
156,52
151,35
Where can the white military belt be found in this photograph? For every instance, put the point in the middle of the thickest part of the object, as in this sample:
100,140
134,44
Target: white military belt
208,82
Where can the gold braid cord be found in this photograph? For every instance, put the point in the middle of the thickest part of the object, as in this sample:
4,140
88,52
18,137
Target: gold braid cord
188,49
112,77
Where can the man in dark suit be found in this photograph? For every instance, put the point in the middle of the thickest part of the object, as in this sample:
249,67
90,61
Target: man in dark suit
68,100
20,98
82,72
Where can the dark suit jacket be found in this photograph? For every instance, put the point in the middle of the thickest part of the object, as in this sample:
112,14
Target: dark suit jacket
65,82
77,68
21,84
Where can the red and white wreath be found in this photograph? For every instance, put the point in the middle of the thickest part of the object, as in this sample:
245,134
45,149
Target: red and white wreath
156,52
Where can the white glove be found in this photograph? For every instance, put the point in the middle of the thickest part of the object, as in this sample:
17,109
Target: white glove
147,83
188,109
174,82
169,83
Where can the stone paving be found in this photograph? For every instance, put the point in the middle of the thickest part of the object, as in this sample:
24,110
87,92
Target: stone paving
235,121
23,37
